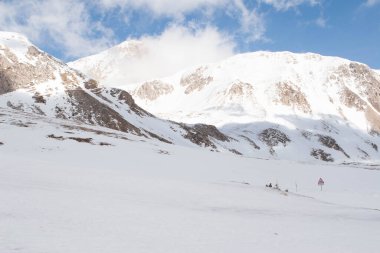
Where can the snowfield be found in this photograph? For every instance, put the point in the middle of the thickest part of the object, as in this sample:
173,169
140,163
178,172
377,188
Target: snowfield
62,195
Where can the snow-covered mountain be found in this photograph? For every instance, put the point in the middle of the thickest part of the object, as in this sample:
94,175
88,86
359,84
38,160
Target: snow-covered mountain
101,67
32,81
275,105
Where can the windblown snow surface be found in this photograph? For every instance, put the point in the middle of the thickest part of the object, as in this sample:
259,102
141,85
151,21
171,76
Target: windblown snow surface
118,193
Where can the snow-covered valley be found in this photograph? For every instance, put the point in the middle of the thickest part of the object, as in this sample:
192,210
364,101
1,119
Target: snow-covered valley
64,195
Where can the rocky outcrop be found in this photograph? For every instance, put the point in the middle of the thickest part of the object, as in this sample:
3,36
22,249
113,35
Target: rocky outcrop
39,99
239,89
15,74
126,98
91,84
367,84
195,81
330,142
320,154
273,137
89,110
366,81
92,111
352,100
202,134
251,142
291,95
153,90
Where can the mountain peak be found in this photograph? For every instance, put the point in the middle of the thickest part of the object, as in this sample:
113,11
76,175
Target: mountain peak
14,40
16,45
13,36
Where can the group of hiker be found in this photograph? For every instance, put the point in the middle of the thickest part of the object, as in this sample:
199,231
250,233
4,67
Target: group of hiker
270,186
321,183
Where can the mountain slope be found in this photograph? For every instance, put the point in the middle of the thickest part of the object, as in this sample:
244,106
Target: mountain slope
32,81
101,67
275,105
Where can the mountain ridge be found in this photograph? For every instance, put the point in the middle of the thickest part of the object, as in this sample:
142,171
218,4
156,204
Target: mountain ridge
311,95
269,120
34,82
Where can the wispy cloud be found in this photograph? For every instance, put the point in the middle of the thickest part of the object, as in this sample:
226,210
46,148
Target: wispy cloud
177,48
252,22
284,5
67,24
370,3
321,22
72,26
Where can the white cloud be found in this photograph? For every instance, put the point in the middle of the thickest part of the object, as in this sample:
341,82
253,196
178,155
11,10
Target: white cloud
163,7
321,22
176,48
252,22
283,5
370,3
70,27
66,23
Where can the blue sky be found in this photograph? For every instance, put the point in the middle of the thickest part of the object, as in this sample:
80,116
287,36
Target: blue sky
74,28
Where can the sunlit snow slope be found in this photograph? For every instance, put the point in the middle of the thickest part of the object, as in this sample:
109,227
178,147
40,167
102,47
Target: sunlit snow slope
34,82
275,105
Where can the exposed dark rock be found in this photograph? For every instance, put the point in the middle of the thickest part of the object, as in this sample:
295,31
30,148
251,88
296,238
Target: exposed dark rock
158,137
38,98
163,152
36,109
6,84
104,144
199,139
235,151
330,142
14,107
95,131
320,154
19,124
52,136
78,139
374,146
200,134
307,134
365,154
273,137
91,84
89,110
1,143
251,142
60,113
126,98
211,131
